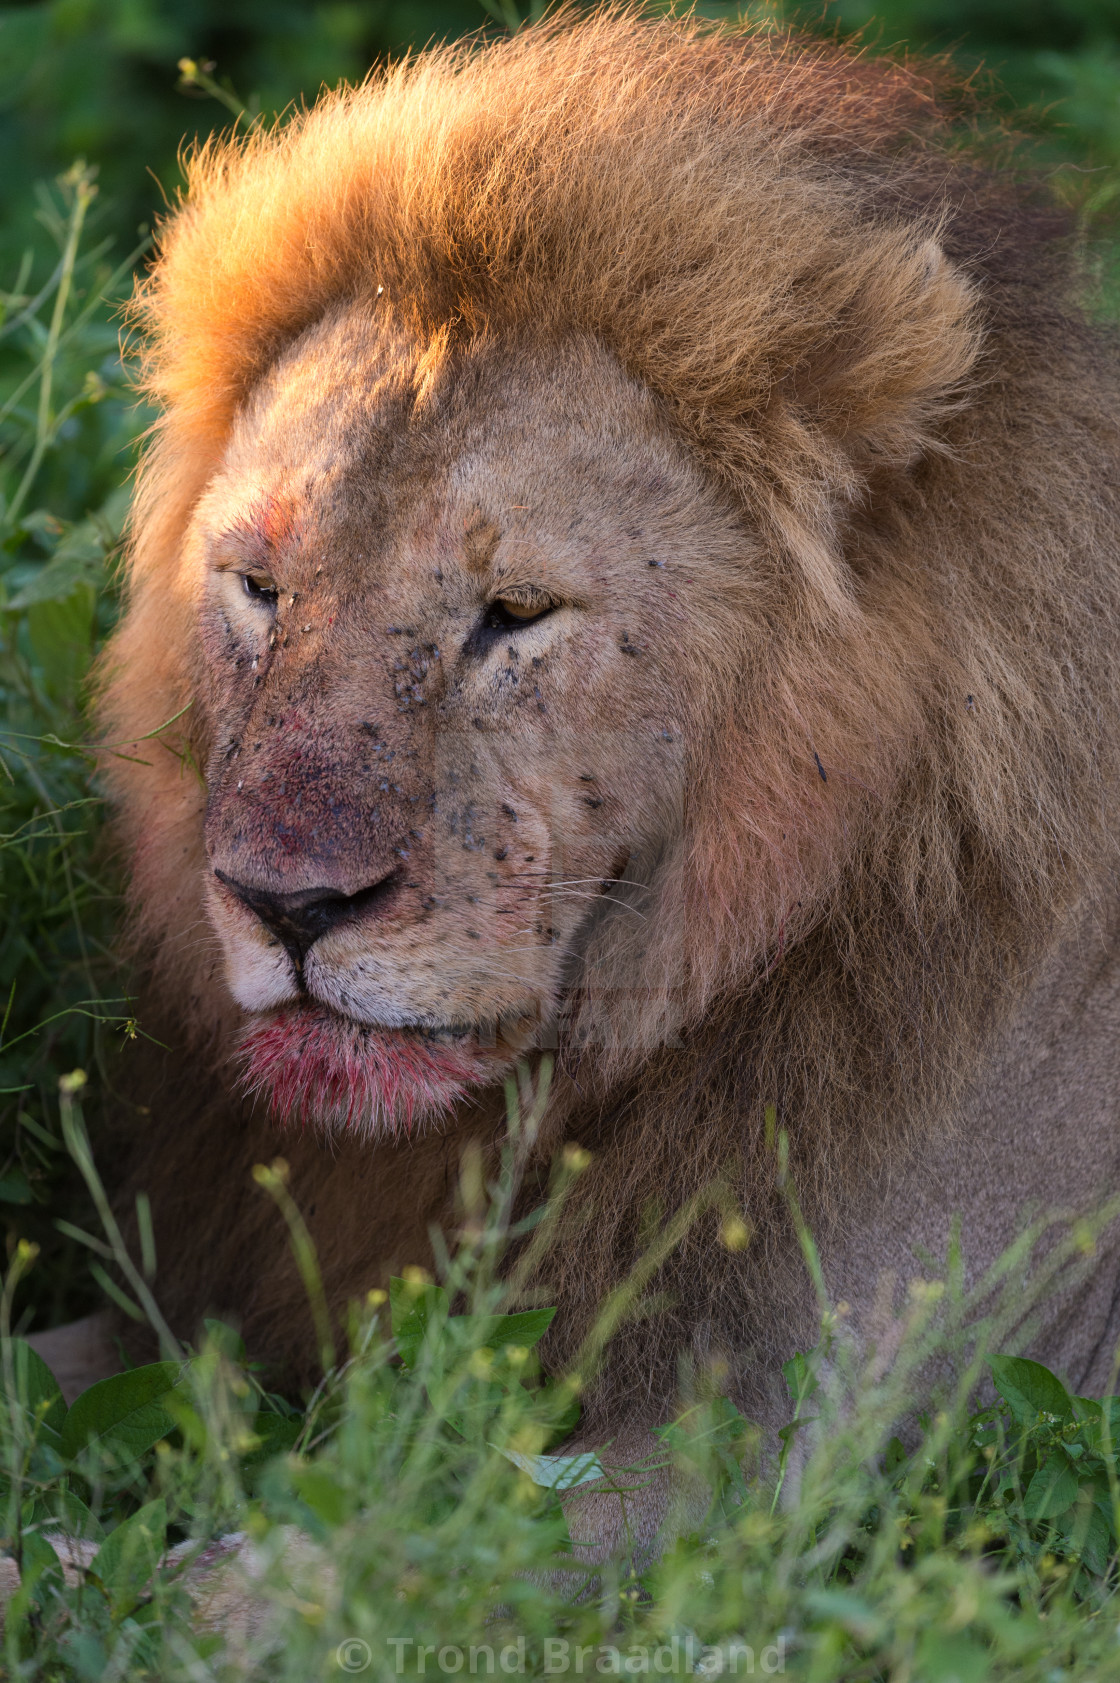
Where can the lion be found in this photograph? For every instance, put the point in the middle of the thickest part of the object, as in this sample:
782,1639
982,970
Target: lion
627,574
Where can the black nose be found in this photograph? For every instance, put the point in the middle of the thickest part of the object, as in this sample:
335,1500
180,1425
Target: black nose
298,920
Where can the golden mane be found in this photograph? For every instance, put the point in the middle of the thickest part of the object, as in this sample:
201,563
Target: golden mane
868,346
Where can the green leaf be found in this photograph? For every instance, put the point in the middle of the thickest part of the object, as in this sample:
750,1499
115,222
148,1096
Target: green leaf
71,1515
1096,1542
15,1188
321,1491
412,1309
227,1339
76,563
851,1612
124,1564
61,637
41,1580
952,1658
1090,1415
123,1412
79,552
788,1432
894,1456
800,1379
61,628
41,1566
493,1331
556,1472
414,1306
1051,1491
277,1433
39,1392
1029,1389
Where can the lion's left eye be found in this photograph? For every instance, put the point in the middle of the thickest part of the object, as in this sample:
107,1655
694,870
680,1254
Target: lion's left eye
260,588
509,614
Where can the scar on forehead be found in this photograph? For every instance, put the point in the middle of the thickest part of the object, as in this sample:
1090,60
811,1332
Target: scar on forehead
277,517
480,540
267,523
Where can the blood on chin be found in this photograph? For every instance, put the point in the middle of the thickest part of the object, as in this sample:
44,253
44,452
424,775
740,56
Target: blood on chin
314,1066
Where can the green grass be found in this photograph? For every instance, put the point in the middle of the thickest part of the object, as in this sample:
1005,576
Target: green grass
410,1512
411,1505
67,426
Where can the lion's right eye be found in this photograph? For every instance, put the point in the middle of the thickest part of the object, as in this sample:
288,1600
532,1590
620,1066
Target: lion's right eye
260,588
514,613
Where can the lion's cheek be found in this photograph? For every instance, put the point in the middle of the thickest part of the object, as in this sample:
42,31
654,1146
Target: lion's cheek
420,977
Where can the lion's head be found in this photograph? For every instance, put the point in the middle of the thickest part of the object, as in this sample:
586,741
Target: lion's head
532,540
466,618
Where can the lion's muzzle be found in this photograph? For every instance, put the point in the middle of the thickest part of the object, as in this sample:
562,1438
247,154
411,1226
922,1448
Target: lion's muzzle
299,920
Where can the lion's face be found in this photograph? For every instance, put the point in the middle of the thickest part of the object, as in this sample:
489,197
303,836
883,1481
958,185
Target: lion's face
464,621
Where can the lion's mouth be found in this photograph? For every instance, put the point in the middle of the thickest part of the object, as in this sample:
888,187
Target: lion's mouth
312,1065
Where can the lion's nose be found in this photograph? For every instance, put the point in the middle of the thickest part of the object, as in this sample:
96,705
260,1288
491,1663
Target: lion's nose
299,920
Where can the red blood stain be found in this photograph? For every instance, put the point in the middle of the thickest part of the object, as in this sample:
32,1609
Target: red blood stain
275,519
314,1066
270,524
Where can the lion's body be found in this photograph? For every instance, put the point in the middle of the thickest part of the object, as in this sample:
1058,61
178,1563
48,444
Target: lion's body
813,755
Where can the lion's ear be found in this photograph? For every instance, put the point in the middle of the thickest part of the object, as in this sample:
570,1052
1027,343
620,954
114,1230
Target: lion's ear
889,340
891,356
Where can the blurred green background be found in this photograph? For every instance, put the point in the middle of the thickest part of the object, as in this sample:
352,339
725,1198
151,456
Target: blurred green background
93,113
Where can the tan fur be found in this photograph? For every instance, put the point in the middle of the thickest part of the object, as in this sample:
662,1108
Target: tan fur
707,333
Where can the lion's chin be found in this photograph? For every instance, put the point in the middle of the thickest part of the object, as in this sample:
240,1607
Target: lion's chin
314,1066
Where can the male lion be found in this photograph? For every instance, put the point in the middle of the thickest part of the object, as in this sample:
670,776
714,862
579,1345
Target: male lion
634,527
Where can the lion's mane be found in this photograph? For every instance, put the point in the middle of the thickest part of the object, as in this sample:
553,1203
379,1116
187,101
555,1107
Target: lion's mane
874,347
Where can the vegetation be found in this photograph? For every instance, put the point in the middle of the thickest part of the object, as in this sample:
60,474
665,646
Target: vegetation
409,1511
408,1520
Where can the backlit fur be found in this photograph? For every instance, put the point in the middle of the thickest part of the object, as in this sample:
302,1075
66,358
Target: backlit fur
708,334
